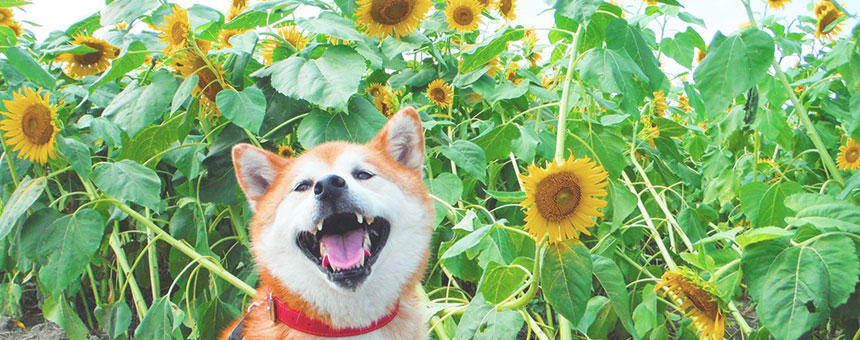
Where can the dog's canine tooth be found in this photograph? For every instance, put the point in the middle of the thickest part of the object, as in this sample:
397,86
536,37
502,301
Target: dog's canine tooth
366,241
319,226
358,218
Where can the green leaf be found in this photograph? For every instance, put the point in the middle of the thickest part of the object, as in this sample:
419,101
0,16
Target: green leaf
10,299
469,156
764,204
125,11
214,316
328,81
509,197
25,194
467,242
359,126
497,142
245,109
114,319
137,107
128,180
579,10
621,37
852,184
824,212
840,259
733,65
500,281
184,92
756,260
77,154
799,287
57,309
482,321
68,244
612,281
623,202
761,234
566,278
158,324
612,72
23,62
483,54
773,124
131,59
147,143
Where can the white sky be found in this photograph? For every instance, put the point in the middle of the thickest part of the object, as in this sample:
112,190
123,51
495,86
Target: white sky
722,15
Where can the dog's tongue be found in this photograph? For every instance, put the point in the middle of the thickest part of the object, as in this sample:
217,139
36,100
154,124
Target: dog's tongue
346,250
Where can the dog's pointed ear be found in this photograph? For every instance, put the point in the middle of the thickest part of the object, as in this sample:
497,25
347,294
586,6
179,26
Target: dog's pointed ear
256,169
402,138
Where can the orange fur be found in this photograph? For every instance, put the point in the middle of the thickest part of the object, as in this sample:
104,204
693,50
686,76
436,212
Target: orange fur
408,324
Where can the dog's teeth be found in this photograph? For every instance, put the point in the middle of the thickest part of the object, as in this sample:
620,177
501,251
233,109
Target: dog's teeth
358,218
319,226
369,220
366,241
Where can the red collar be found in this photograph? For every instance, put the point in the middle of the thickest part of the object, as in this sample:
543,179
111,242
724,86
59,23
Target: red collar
278,310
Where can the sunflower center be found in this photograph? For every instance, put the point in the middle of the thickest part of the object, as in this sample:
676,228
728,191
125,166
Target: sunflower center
36,124
700,298
390,12
438,94
463,16
505,6
852,155
557,196
177,33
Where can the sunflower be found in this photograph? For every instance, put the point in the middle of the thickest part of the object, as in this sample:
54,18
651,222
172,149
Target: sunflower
827,13
563,198
175,30
211,77
511,73
486,4
29,125
649,131
495,67
81,65
684,103
699,298
381,18
463,15
6,16
224,37
291,35
777,4
440,93
506,9
659,104
285,150
384,105
534,58
849,155
376,89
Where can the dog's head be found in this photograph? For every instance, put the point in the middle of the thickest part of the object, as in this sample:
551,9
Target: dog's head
343,226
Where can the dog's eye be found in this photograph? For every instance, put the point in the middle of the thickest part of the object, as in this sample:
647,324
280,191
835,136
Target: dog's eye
361,174
304,185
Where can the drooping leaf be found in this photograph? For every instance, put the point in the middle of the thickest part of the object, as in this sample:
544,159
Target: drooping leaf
764,204
125,11
579,10
25,194
612,281
496,142
359,126
500,281
23,62
57,309
482,321
245,109
128,180
77,154
131,59
114,318
566,278
613,72
483,54
67,245
469,156
823,212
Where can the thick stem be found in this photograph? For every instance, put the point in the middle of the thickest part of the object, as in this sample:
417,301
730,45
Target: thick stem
647,217
564,328
564,106
136,295
524,299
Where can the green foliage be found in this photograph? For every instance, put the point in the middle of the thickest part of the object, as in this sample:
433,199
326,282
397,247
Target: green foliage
136,228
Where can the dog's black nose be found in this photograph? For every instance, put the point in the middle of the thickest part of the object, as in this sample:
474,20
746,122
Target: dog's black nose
329,187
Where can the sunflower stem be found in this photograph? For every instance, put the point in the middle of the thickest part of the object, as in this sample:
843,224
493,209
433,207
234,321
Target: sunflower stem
564,328
739,318
136,296
524,299
6,154
564,105
647,217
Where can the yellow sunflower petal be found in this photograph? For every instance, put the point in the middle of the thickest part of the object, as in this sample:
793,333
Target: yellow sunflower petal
82,65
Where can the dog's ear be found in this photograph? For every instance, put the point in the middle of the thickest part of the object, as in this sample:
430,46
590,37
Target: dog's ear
256,169
402,138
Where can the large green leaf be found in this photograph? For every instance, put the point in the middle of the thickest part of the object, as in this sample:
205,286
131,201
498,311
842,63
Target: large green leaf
245,109
128,180
756,260
137,107
824,212
612,281
469,156
843,269
77,154
25,194
114,318
733,65
57,309
613,72
482,321
579,10
483,54
131,59
359,126
764,204
159,322
328,81
566,278
622,37
23,62
67,245
500,281
125,11
467,242
497,142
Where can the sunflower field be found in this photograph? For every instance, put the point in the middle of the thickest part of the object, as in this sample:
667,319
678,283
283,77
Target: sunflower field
583,188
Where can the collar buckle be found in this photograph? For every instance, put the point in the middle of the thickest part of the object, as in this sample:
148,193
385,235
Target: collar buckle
271,307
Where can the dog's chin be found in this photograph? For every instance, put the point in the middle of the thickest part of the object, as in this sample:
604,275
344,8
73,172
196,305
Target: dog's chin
344,246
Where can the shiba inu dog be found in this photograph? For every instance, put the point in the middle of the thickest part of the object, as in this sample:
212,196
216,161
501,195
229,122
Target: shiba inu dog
341,237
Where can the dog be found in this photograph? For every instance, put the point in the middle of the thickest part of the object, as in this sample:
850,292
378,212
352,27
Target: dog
341,237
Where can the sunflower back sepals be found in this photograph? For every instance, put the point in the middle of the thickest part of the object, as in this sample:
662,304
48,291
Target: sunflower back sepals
698,298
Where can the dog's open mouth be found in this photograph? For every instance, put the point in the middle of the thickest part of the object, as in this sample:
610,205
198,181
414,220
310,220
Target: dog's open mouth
345,245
